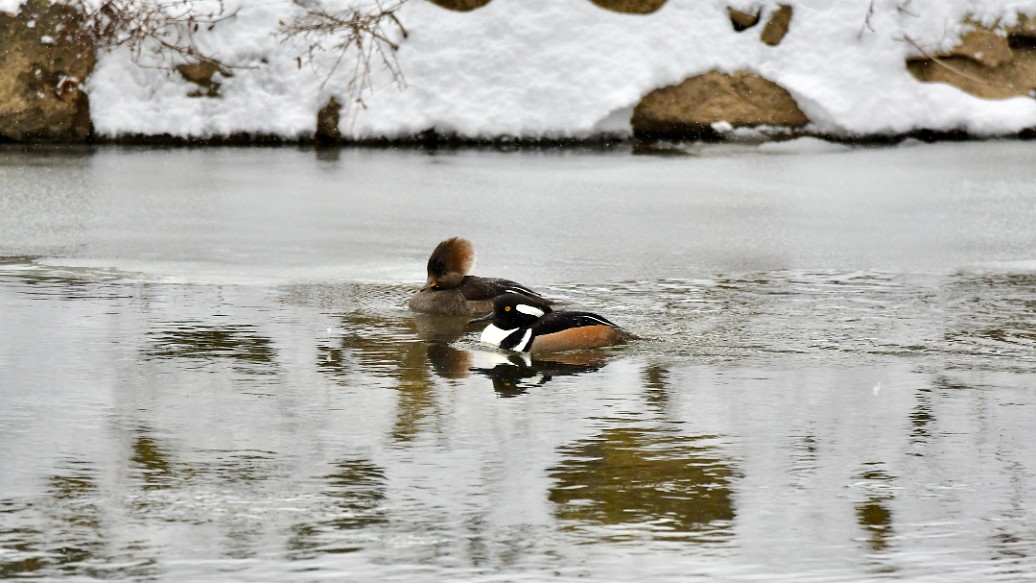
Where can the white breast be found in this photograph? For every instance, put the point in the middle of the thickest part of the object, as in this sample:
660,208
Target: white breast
493,335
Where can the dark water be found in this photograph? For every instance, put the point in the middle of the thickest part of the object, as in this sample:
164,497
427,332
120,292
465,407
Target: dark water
208,372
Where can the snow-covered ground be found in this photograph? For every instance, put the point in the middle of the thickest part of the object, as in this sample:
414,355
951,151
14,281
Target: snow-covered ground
566,68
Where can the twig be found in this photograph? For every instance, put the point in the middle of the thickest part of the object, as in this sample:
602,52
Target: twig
950,68
164,30
902,7
867,21
368,33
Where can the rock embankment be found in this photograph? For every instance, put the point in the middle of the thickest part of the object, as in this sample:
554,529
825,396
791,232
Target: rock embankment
988,63
44,63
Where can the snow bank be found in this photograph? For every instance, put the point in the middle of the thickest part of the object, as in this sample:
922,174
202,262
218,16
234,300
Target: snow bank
547,68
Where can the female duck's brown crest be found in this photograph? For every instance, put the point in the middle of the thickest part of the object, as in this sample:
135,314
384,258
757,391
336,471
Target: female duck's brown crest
450,262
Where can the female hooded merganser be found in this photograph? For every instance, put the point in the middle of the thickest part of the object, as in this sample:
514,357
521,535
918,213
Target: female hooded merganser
523,324
451,291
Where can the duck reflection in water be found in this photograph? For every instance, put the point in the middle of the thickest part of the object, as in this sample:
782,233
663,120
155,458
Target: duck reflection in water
511,375
445,329
552,344
515,374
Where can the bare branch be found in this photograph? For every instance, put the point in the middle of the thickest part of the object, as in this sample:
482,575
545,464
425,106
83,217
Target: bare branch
902,7
367,35
156,33
867,20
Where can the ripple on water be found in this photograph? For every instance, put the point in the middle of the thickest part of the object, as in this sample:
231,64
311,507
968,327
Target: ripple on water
242,344
991,314
417,492
789,317
681,490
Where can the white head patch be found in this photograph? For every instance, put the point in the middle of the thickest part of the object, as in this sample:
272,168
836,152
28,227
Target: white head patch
530,310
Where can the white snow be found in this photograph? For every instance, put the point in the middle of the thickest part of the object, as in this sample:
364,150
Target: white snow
551,68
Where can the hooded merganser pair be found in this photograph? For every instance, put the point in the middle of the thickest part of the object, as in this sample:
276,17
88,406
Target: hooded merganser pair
450,291
523,324
520,319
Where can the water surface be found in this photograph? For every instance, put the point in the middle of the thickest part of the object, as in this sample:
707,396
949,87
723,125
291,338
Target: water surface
208,372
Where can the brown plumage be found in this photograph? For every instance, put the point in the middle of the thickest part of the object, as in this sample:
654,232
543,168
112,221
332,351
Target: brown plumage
581,338
449,262
449,290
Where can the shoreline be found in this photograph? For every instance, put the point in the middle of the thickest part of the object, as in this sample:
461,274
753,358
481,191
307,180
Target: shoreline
603,142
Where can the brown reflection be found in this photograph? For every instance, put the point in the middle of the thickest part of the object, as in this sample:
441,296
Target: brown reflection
449,362
873,513
516,375
921,417
22,556
156,471
373,347
656,382
670,484
440,328
240,343
73,534
153,468
74,539
165,483
355,492
75,496
413,352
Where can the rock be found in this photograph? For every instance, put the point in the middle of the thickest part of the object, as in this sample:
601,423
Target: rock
1014,79
43,61
1026,27
460,5
327,122
984,47
689,110
777,26
743,20
630,6
983,64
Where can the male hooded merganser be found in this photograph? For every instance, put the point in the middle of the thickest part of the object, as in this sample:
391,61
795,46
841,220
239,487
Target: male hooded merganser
523,324
451,291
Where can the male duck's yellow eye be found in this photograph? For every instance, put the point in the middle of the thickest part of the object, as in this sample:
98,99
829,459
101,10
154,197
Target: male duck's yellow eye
507,308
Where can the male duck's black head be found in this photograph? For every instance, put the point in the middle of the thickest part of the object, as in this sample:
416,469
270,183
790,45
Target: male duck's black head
513,310
449,263
509,324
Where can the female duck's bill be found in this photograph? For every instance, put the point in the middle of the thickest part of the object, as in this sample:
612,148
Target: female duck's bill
523,324
449,290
